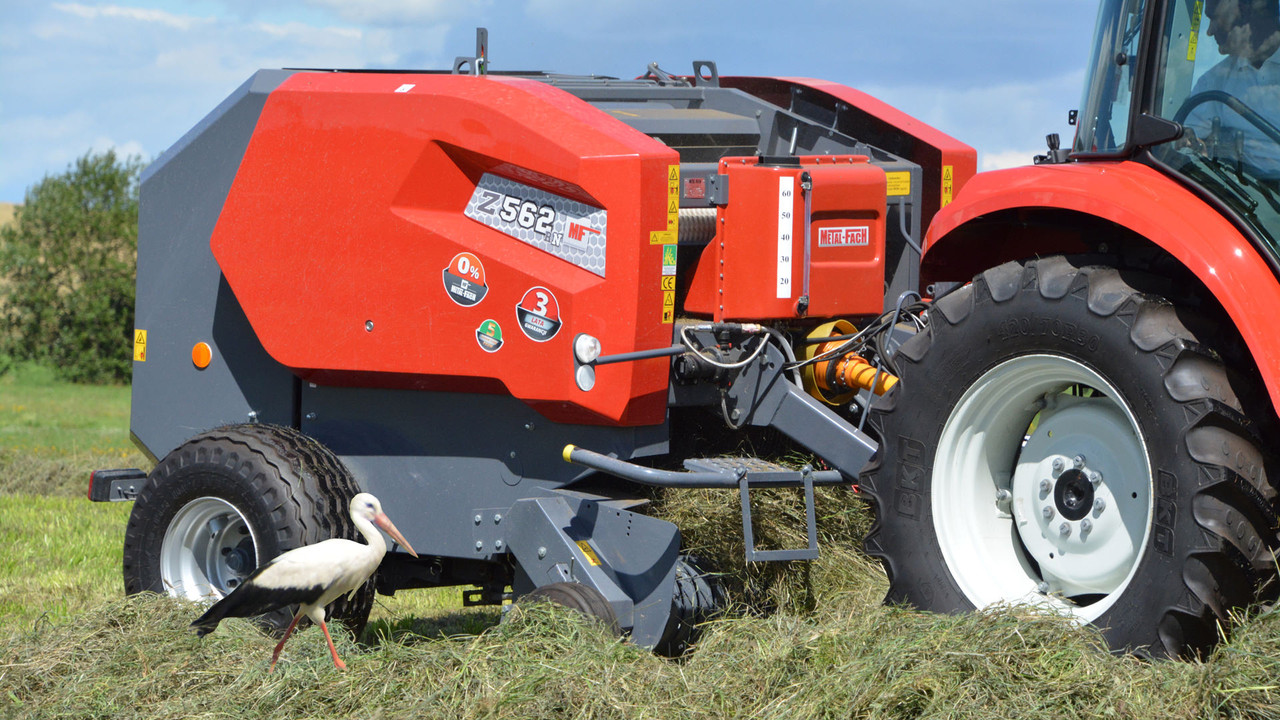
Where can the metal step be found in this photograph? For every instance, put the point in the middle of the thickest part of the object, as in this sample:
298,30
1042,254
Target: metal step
749,472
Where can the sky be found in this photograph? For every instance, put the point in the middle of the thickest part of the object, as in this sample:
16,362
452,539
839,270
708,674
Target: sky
135,75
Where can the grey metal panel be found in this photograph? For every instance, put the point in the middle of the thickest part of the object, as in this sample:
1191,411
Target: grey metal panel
441,458
182,298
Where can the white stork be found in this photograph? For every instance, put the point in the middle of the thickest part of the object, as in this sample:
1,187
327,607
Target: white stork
311,576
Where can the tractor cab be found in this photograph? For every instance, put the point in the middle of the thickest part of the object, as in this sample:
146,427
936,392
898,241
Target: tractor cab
1192,87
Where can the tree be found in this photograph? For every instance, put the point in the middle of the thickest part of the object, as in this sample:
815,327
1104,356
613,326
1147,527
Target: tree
67,263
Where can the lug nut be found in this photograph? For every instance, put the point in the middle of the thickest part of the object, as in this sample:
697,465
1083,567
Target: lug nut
1078,461
1045,486
1047,513
1064,530
1095,477
1086,527
1058,466
1099,505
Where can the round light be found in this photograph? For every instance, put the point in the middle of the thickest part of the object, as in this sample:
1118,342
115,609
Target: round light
586,348
586,377
201,355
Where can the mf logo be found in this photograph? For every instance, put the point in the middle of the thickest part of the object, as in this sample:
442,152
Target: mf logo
579,233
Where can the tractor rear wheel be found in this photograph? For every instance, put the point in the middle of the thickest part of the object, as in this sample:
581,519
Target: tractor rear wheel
230,499
1060,439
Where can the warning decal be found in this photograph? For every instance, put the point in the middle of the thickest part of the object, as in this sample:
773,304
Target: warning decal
140,345
948,183
489,335
464,280
538,314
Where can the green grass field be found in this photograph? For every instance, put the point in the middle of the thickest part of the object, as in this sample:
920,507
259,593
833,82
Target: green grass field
807,640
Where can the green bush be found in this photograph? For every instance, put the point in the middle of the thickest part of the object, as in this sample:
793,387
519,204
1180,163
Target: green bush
68,262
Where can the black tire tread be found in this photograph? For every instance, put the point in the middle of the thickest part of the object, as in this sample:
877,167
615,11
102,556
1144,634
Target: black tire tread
1234,499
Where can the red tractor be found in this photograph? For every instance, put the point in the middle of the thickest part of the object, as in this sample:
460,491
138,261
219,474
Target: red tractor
505,302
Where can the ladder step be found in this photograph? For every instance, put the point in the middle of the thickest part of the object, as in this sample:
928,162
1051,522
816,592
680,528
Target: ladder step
754,472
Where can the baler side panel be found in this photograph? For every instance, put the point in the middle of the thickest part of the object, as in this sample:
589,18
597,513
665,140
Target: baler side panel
349,209
182,298
1133,196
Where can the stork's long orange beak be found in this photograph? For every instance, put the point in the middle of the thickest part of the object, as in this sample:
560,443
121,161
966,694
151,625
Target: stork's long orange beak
384,522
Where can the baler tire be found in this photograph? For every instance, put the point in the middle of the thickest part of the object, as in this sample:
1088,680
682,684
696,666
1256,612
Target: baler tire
580,598
1201,519
273,485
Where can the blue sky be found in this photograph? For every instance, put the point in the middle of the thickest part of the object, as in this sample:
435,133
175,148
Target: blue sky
82,75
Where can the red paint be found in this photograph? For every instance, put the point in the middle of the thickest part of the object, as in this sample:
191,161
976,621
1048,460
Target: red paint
1142,199
737,276
350,200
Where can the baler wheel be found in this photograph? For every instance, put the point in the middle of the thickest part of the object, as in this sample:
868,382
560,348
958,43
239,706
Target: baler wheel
228,499
1060,439
580,598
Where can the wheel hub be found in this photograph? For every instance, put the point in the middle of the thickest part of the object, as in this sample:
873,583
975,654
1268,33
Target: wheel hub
1040,496
208,550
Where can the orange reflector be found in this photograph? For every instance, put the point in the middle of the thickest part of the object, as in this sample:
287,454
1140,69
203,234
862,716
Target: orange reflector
201,355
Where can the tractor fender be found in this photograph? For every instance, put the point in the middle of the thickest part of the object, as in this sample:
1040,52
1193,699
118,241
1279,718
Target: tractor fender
1126,194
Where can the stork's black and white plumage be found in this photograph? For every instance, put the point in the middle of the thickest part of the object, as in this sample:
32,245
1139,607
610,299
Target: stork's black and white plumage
311,576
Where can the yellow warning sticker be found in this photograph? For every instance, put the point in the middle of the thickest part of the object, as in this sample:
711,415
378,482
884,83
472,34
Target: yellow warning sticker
673,199
948,183
668,282
586,550
668,298
1194,35
662,237
140,345
899,182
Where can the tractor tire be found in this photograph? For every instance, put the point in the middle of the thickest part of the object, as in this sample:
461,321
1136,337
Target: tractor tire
579,598
1061,440
230,499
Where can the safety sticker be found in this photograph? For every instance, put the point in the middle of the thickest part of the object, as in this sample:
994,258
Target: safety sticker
464,280
948,183
668,299
570,230
897,183
851,236
671,233
668,259
489,335
539,314
585,547
140,345
1194,34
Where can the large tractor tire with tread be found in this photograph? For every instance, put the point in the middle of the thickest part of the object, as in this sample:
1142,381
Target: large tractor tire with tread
1060,439
230,499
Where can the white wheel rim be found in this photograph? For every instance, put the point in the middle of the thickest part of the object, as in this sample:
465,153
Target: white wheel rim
209,548
1060,521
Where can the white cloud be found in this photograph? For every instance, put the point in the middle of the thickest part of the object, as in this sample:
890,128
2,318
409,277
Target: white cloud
1007,158
398,12
147,15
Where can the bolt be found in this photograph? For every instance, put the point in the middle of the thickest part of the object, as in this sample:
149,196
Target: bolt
513,454
1078,461
479,544
528,426
1099,505
1003,496
368,326
253,416
1047,512
1064,530
1043,588
497,544
478,519
1095,477
1086,527
1045,486
311,416
542,553
497,519
1058,466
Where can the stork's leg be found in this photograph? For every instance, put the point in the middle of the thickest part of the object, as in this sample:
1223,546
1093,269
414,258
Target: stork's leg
337,662
279,646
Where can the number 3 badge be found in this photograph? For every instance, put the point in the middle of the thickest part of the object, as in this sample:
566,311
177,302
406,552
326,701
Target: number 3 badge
538,314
